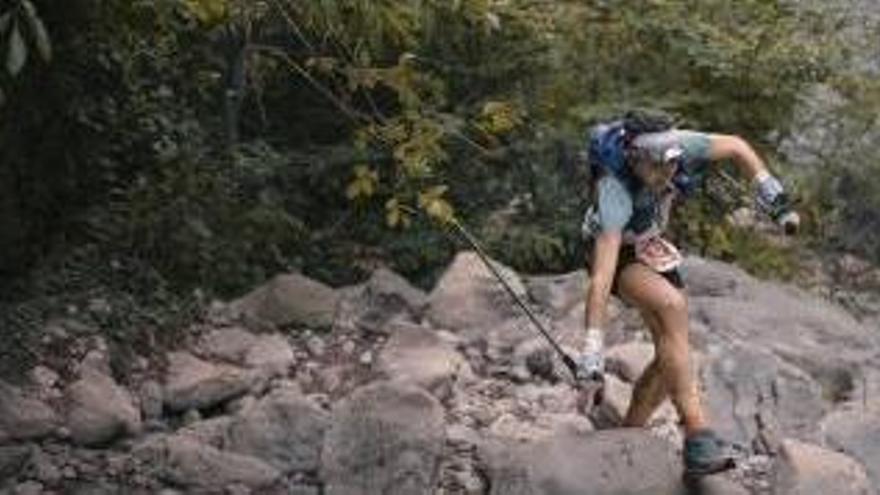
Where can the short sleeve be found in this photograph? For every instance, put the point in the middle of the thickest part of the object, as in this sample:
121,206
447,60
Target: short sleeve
615,205
696,144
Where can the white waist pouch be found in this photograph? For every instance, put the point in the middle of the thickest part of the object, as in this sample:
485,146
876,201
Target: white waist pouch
655,251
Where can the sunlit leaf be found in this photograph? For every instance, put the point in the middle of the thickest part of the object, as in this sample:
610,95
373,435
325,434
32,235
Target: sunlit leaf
395,214
209,12
17,55
431,200
38,30
364,184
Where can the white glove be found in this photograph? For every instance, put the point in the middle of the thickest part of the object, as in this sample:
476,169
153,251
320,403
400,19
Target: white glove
772,200
591,362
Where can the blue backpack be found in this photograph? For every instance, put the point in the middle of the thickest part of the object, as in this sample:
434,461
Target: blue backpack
608,141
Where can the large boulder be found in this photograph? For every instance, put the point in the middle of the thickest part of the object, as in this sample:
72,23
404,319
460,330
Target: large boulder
22,417
284,429
100,410
856,432
211,431
778,357
629,360
811,470
385,438
385,297
469,300
229,344
753,395
199,467
558,294
192,383
291,299
419,356
269,352
818,337
611,462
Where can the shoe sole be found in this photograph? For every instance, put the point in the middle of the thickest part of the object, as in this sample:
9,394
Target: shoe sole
709,470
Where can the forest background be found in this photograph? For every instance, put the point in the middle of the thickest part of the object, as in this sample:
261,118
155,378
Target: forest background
157,155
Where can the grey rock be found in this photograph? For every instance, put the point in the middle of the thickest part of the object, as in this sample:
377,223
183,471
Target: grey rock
558,294
315,345
271,353
366,358
150,396
213,431
190,464
794,325
615,403
384,298
291,299
385,438
754,396
284,429
12,459
193,383
44,468
100,410
228,344
534,358
807,469
29,488
44,381
417,355
598,463
629,360
24,418
856,432
470,301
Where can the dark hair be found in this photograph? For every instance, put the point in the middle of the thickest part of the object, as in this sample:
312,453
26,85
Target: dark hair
640,121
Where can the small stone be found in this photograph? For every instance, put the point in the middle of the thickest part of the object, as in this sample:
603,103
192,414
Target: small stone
330,378
366,358
68,472
29,488
43,377
322,400
191,416
45,469
238,489
239,405
151,400
316,346
349,347
141,363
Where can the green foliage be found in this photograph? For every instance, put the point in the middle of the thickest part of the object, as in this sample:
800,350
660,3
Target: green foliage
209,144
704,230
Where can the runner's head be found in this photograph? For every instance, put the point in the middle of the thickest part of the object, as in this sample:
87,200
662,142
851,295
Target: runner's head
657,174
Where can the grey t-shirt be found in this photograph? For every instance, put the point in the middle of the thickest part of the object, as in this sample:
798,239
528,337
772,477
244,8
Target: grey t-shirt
633,209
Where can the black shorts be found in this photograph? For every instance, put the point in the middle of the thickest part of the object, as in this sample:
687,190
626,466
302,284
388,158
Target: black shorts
626,257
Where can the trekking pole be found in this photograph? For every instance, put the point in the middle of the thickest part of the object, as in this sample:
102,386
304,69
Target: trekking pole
475,245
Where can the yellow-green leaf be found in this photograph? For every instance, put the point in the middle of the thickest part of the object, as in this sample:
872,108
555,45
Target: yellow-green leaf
434,205
364,183
210,12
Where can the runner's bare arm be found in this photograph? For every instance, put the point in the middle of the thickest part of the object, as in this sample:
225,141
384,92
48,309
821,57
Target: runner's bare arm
723,146
605,254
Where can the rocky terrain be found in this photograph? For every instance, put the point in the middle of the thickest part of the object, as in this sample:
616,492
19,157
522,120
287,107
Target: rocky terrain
382,388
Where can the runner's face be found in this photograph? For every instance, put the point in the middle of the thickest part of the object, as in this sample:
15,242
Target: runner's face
657,176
